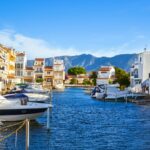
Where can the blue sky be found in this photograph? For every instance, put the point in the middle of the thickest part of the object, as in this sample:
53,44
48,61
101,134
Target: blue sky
68,27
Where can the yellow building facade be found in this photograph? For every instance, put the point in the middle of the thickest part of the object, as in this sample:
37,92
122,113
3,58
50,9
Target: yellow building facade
7,67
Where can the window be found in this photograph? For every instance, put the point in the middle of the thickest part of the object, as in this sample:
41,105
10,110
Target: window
49,80
19,66
140,59
29,73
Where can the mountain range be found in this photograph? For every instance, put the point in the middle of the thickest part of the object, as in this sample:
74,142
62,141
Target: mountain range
92,63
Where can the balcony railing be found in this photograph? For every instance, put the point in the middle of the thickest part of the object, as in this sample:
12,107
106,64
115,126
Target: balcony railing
48,74
29,75
39,71
58,77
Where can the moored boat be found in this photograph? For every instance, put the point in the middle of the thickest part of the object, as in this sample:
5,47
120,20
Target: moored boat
31,97
14,110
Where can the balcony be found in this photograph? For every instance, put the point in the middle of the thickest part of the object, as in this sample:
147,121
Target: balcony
104,75
39,72
58,77
28,74
11,76
3,71
12,63
48,74
3,55
58,68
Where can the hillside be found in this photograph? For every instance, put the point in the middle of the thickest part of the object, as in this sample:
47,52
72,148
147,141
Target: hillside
92,63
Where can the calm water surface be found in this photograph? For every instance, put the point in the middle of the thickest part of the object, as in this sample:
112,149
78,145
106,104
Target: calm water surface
78,122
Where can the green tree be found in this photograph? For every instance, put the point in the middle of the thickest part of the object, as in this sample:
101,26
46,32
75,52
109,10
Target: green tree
86,82
73,81
93,76
76,70
122,77
39,80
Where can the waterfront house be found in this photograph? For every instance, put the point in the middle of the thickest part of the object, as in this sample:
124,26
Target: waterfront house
39,65
81,77
68,78
48,76
14,69
140,71
29,75
20,66
105,75
58,73
3,68
7,67
11,66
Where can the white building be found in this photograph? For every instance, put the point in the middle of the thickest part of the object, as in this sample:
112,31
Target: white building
39,65
105,75
140,70
58,73
20,65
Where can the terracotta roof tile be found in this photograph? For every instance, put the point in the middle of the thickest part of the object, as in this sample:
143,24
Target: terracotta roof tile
39,59
29,68
20,54
105,69
48,67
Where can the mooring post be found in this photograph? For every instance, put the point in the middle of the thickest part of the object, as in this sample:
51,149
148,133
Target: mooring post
126,98
149,85
116,97
50,95
48,117
27,134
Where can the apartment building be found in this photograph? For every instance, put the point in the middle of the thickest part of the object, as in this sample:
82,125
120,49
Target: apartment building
20,66
7,67
3,67
140,72
11,65
14,69
28,75
58,73
48,76
105,75
39,65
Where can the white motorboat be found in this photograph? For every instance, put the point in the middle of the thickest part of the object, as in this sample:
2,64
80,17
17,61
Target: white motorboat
35,97
35,89
31,97
116,96
14,110
98,91
109,92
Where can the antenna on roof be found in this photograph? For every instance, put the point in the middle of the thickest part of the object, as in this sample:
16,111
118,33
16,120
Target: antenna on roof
145,48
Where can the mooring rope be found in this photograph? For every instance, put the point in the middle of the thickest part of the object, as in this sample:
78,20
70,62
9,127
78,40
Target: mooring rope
13,132
12,125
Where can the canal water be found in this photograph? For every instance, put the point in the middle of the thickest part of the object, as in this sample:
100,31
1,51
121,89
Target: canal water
78,122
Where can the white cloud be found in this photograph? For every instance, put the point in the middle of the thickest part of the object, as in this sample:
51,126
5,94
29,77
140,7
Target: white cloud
35,47
32,46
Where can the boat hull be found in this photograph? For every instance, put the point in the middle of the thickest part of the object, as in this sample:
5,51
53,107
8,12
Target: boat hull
20,114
